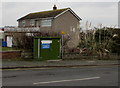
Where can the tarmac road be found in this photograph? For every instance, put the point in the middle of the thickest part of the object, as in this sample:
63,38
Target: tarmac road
69,76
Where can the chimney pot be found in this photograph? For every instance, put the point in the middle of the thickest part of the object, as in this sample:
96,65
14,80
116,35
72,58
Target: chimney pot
54,8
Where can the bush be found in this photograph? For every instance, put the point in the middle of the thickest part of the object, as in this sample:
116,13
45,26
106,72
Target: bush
24,40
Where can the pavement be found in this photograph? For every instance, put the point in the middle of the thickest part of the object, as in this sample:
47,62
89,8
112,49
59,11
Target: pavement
10,64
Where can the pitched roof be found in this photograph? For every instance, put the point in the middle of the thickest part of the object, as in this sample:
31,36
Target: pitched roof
46,14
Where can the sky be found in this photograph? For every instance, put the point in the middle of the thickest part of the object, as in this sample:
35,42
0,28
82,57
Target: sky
96,13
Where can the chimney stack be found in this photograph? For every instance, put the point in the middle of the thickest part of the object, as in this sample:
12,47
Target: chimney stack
54,8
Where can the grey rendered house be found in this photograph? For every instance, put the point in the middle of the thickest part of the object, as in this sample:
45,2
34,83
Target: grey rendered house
57,20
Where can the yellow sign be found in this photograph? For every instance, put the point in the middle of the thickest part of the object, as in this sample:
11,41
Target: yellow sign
62,32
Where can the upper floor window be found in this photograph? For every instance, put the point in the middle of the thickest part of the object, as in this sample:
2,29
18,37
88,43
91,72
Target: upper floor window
72,29
45,22
23,23
32,22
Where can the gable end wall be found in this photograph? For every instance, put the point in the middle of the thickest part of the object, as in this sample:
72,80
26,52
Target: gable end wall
67,22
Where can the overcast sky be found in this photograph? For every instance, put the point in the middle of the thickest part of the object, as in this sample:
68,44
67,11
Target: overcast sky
105,13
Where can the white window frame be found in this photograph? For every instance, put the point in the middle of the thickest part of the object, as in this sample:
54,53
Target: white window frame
72,29
43,24
23,23
32,22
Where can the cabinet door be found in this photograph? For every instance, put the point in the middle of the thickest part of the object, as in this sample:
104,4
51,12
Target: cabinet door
55,49
50,50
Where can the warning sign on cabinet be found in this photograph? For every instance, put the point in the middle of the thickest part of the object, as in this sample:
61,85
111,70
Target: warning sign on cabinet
45,46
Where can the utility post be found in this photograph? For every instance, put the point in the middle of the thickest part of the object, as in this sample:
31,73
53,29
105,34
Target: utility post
62,49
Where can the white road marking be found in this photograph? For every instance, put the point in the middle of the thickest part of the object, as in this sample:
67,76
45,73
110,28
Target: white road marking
66,80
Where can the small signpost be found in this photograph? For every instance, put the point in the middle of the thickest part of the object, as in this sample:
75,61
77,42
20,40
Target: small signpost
62,32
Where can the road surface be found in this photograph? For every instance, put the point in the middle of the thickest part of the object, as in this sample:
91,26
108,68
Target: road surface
70,76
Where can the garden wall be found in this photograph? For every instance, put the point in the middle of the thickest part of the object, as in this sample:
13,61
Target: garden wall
10,54
71,56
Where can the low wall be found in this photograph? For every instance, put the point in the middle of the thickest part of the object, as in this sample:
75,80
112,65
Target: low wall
70,56
10,54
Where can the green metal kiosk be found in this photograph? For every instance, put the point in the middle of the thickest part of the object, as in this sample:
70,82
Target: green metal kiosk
47,48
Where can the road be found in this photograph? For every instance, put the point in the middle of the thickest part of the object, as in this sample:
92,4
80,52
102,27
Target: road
70,76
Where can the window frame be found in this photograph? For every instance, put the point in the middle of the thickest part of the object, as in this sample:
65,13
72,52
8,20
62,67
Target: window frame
32,22
43,24
23,23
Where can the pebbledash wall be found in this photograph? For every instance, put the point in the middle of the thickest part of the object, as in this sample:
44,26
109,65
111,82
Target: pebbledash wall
10,54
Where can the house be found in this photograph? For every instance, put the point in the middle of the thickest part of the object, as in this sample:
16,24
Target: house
57,20
7,37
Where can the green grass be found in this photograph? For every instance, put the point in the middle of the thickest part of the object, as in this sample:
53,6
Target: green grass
9,49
